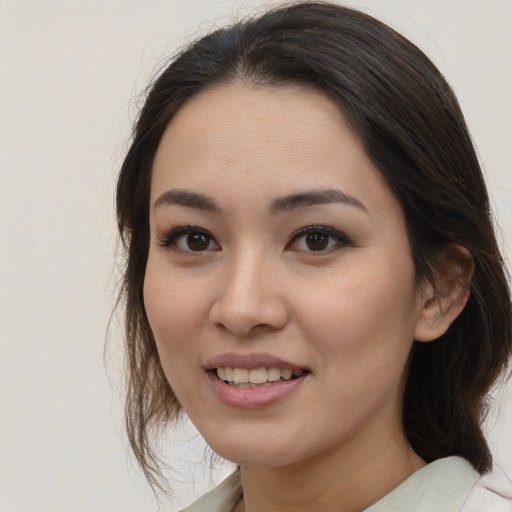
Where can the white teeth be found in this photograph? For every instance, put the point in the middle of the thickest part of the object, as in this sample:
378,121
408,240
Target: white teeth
286,374
242,377
274,374
258,376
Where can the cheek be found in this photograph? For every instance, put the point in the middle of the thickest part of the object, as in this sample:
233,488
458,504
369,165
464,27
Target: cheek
173,316
363,318
173,311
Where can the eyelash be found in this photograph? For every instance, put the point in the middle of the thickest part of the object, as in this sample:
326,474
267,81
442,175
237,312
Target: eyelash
340,239
169,238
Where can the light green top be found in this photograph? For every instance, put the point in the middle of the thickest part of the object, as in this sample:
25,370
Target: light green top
441,486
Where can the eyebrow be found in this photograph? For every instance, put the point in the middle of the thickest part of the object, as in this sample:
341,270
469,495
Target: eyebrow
282,204
190,199
313,198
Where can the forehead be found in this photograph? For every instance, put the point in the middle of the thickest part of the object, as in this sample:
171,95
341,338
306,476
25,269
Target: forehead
237,115
246,105
266,140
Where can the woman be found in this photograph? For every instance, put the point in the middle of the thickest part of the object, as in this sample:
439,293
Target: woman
312,273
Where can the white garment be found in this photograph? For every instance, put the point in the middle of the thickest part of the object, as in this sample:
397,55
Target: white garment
445,485
221,499
490,495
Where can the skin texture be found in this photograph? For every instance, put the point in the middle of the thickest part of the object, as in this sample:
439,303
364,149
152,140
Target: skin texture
348,314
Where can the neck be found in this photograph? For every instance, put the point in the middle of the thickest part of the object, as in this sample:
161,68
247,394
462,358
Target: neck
348,478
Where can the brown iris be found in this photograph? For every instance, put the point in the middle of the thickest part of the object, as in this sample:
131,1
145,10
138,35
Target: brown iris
317,241
197,242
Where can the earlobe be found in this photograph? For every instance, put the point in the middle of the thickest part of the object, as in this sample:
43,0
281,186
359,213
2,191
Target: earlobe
443,300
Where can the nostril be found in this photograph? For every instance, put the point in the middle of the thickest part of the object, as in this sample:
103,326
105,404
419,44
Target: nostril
246,308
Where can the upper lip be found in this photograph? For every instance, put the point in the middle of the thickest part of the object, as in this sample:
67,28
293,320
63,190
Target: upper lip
250,361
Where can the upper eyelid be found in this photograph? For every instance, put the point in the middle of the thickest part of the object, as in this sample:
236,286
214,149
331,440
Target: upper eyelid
322,228
341,239
165,236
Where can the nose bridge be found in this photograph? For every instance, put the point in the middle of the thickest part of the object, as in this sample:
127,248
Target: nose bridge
248,295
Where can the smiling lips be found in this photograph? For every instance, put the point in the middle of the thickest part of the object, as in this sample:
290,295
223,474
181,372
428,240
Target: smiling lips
257,377
253,381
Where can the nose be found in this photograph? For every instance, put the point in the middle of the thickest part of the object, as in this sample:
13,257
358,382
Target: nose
249,300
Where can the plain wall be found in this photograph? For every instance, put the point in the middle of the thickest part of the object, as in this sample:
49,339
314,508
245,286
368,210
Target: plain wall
70,75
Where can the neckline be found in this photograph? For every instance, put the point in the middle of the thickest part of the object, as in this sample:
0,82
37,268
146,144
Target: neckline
441,485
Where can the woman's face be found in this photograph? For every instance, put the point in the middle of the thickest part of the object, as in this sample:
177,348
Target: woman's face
280,256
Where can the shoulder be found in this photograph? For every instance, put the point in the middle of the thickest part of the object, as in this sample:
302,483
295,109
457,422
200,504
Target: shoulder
442,485
221,499
491,493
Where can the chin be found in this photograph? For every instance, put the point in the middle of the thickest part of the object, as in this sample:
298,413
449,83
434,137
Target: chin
246,448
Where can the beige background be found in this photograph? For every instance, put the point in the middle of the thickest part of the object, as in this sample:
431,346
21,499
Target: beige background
71,71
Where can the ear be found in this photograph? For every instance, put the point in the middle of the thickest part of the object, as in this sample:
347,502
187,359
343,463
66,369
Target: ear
443,300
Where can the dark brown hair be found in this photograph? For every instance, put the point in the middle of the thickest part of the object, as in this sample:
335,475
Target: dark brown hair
412,128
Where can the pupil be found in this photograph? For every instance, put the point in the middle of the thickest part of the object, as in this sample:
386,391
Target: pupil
317,241
197,242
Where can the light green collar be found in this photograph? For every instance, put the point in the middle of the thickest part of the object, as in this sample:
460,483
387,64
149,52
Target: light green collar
442,485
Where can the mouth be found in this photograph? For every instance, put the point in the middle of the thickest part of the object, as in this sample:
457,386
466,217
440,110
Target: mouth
256,377
254,381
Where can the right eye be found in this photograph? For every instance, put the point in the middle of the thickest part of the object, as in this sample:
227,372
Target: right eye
189,239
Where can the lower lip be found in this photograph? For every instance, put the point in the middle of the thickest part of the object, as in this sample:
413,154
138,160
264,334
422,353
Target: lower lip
253,398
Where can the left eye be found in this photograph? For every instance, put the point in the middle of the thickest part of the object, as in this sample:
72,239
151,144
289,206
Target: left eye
194,242
189,239
317,239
